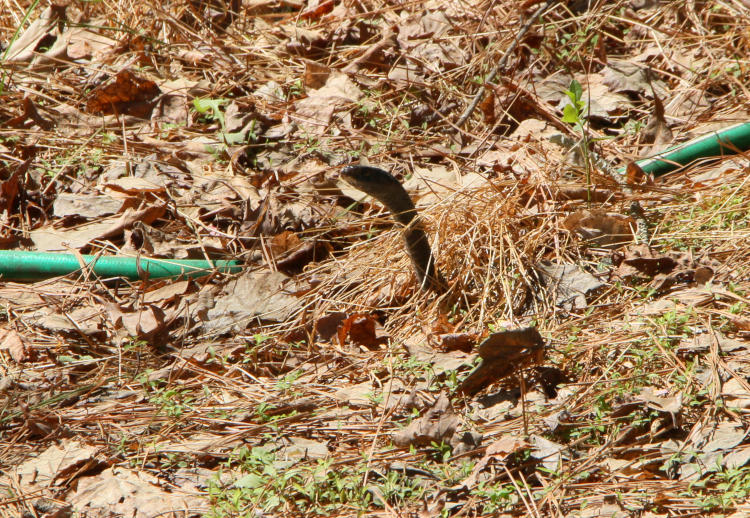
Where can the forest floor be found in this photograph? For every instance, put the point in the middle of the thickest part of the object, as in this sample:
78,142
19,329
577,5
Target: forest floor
590,357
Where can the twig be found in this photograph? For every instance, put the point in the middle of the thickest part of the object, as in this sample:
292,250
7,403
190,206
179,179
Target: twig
501,64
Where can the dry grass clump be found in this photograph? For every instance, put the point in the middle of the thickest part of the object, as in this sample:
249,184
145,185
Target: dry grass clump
486,242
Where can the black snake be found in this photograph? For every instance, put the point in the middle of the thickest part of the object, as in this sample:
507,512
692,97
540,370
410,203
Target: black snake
382,186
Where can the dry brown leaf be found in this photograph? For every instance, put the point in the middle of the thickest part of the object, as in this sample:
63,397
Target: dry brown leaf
55,463
725,436
262,295
669,404
601,229
735,394
741,323
487,106
703,342
602,101
357,395
170,291
657,131
454,341
437,425
26,45
30,116
316,9
67,204
626,76
440,362
503,353
316,74
8,193
50,239
551,454
667,270
308,252
374,56
85,320
641,259
144,323
14,344
634,174
284,242
498,451
568,284
363,330
133,185
298,448
327,326
129,94
122,492
314,113
85,44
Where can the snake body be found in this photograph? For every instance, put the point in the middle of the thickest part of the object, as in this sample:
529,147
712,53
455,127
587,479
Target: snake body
382,186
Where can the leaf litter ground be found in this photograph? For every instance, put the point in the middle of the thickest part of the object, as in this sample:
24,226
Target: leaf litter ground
322,381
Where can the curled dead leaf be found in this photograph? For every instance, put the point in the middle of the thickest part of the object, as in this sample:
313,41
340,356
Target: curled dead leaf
502,354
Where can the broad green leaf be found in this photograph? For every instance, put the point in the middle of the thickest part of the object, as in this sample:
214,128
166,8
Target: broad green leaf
204,105
570,114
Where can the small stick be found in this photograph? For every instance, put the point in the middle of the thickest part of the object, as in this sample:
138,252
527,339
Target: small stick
501,64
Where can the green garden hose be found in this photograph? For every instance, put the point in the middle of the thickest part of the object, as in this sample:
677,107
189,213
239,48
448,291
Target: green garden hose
32,266
728,141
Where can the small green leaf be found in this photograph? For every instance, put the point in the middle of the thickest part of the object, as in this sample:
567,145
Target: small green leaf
204,105
249,481
570,114
575,88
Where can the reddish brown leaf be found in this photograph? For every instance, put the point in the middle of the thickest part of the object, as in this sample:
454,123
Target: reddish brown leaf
284,242
316,9
129,94
8,193
488,108
362,330
316,74
634,174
